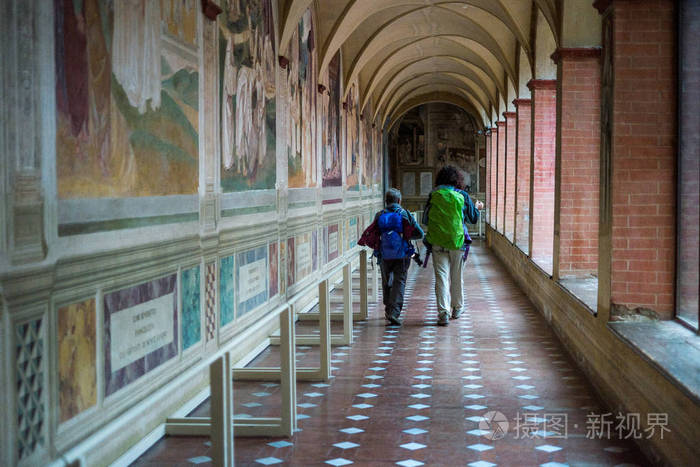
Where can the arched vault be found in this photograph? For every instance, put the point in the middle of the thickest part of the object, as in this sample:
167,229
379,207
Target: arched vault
476,52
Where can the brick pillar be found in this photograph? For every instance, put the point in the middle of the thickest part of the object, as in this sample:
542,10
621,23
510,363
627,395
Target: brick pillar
579,160
544,113
522,184
494,177
501,148
509,217
641,79
489,170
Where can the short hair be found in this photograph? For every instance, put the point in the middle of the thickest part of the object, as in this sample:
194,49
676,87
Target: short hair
392,196
449,175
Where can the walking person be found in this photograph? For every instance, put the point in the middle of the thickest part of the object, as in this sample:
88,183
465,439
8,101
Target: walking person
390,236
445,213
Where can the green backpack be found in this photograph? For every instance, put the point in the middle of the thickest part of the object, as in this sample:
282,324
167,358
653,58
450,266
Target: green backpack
445,219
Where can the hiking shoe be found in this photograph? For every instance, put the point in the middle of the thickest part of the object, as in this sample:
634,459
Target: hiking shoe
394,320
456,313
443,320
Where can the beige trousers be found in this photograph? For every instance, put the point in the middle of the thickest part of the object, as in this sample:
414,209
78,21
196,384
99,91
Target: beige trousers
448,279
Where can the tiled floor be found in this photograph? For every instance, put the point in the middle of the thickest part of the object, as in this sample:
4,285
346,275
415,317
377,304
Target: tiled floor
495,387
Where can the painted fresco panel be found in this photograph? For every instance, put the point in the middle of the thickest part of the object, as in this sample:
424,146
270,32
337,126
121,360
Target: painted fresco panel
330,125
301,86
226,290
191,306
127,98
274,271
248,95
352,139
77,347
252,279
140,326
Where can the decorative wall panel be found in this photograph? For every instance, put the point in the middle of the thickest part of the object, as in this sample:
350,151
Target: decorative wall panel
191,307
140,331
77,347
251,279
31,413
226,290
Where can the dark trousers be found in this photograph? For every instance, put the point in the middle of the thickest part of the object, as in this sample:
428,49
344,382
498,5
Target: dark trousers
394,272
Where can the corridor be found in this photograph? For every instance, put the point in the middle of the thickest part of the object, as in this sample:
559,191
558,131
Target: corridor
495,387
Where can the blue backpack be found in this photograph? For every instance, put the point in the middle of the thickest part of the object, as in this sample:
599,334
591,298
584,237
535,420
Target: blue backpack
391,242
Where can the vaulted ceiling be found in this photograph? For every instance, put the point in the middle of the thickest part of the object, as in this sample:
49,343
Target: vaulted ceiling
477,54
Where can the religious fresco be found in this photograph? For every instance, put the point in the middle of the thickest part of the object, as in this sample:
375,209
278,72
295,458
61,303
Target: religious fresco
248,95
368,159
252,279
140,330
77,350
226,290
352,139
127,98
330,126
301,87
379,163
190,280
274,271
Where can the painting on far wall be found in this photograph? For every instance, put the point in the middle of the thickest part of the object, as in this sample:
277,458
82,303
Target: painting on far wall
330,126
367,154
352,139
301,86
127,98
248,95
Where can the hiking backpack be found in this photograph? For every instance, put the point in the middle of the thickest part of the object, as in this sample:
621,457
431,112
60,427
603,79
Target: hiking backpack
391,242
446,219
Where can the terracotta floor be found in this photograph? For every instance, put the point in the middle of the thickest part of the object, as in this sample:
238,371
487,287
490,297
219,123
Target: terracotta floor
495,387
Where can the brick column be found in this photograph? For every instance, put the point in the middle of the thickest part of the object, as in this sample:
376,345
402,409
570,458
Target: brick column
544,112
510,157
501,148
494,177
578,155
489,169
522,184
639,93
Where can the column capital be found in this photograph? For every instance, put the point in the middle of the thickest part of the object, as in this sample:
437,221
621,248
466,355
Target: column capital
508,115
501,123
574,53
542,84
519,102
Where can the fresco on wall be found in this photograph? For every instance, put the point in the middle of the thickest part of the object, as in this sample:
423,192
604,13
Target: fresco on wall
226,290
140,330
330,126
274,271
191,307
252,279
367,154
248,95
410,135
378,162
290,262
301,86
77,347
352,139
127,98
